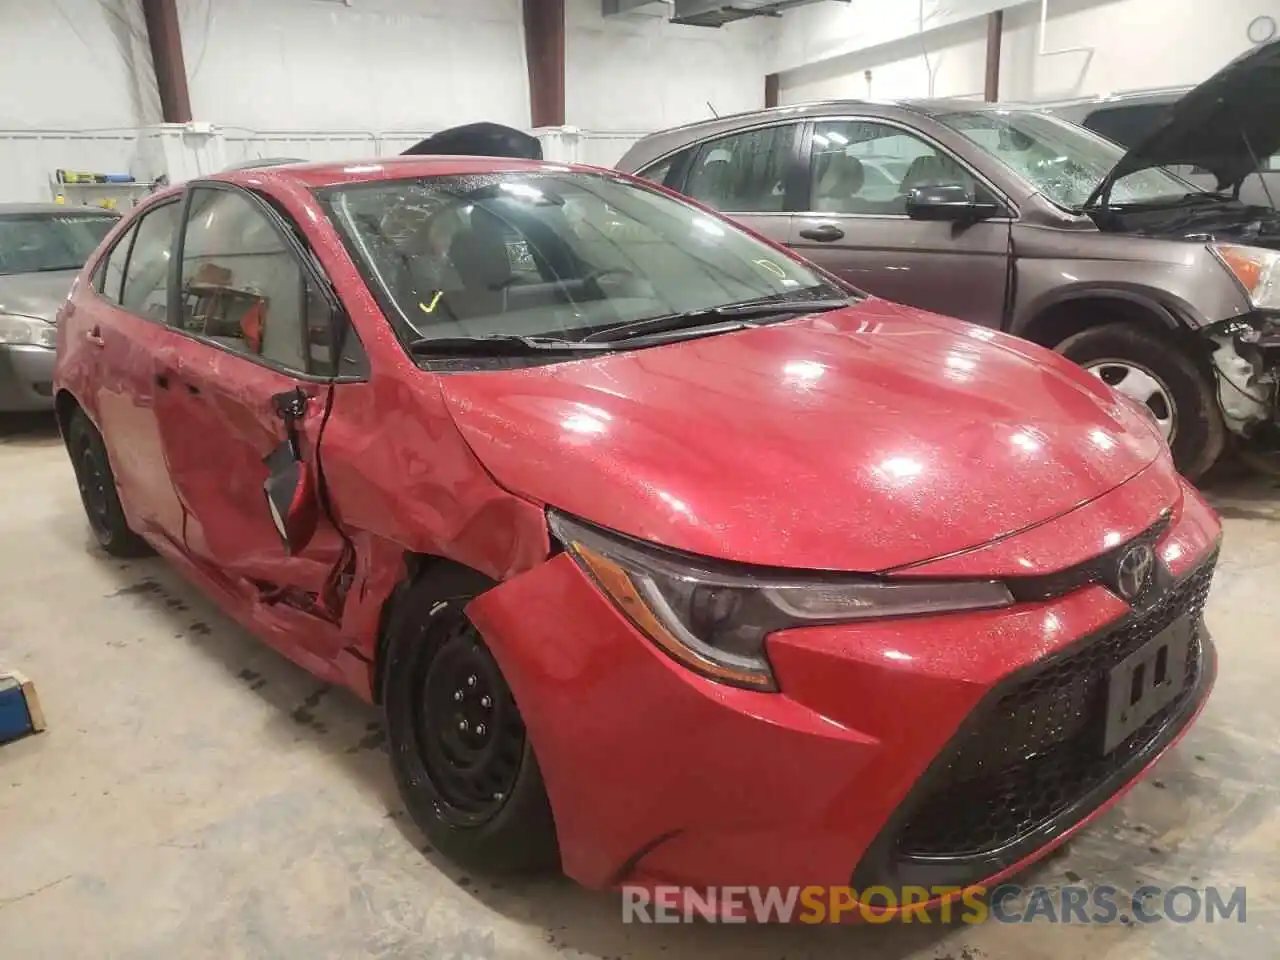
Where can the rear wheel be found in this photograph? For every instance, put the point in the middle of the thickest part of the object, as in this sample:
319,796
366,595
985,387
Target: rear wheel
1158,374
459,748
98,490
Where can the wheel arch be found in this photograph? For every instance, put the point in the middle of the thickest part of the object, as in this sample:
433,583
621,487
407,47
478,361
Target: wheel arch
65,406
449,577
1072,311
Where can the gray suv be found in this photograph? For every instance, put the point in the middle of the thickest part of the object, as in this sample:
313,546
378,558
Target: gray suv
1011,217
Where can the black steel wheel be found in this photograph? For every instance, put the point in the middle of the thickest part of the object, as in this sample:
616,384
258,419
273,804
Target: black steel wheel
97,486
459,748
470,735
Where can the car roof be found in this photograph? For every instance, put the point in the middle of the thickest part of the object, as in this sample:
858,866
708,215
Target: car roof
339,173
13,209
1132,97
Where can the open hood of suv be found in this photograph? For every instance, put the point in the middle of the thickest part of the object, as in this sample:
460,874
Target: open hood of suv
480,140
1228,125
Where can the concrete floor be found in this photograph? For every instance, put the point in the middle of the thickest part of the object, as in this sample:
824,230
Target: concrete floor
198,796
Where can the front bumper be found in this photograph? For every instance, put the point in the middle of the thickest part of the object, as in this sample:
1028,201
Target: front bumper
659,777
26,378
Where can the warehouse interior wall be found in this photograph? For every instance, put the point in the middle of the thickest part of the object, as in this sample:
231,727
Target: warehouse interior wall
1091,47
367,65
75,65
641,72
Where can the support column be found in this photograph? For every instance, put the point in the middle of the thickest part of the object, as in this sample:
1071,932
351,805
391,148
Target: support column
166,57
995,34
772,88
544,50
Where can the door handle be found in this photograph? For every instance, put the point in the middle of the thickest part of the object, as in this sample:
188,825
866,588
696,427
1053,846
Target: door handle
823,233
94,337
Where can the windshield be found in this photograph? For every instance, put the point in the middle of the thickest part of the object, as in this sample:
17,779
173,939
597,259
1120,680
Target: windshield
550,253
1061,160
40,242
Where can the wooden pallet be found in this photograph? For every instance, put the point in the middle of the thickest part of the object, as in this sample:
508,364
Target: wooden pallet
20,712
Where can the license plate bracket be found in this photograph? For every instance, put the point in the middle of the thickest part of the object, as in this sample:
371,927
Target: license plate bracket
1146,682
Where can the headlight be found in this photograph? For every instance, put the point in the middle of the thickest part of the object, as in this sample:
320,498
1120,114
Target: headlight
1255,269
27,330
714,617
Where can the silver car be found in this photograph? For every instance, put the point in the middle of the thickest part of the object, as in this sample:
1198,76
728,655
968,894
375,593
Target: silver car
42,248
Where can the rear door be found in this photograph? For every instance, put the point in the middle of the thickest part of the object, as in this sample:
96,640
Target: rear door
252,325
854,220
124,325
750,175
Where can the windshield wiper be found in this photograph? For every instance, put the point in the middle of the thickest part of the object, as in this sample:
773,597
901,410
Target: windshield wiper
695,318
500,345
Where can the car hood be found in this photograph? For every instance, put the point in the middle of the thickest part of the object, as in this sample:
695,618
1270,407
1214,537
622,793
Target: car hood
35,294
859,440
1227,125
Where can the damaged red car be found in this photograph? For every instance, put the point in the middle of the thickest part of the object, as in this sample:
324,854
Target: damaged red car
669,557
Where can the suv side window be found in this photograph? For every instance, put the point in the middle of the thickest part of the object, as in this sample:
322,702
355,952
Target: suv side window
145,290
743,173
244,288
869,168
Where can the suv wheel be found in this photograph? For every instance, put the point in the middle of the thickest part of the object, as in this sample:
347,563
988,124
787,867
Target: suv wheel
1156,373
461,756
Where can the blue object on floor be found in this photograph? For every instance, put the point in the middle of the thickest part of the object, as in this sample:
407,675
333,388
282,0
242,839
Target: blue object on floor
20,712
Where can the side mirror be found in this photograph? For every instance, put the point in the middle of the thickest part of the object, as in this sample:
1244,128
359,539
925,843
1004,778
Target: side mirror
948,202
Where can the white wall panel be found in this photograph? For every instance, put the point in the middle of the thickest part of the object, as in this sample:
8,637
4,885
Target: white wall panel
640,72
68,64
28,159
1088,46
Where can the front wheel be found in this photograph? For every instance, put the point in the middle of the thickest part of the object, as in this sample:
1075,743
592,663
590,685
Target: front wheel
1158,374
459,749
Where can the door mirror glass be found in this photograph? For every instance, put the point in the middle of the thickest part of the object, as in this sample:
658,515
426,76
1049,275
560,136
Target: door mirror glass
952,202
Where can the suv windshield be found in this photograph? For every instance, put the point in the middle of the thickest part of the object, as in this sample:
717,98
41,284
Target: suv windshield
551,253
41,242
1061,160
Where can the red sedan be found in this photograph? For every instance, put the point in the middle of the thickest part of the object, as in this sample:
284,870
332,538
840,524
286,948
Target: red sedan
670,558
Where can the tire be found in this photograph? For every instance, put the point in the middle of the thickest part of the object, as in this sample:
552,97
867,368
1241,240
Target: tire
477,794
98,490
1198,432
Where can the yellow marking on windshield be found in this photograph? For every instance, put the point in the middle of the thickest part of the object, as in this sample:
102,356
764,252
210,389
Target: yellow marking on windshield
434,301
773,268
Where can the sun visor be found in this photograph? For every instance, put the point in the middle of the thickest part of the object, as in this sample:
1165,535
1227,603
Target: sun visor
480,140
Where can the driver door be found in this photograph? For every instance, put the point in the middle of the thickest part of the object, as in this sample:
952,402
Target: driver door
855,224
252,328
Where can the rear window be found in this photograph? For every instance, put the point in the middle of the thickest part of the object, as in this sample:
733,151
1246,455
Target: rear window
42,242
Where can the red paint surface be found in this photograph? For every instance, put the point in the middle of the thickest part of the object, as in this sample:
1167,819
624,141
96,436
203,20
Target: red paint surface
873,438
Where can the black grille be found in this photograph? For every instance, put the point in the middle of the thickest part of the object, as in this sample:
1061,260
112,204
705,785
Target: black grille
1029,761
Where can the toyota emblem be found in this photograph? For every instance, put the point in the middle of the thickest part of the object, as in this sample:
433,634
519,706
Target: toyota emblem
1134,573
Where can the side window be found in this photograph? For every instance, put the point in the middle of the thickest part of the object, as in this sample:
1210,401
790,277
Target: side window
243,287
863,167
744,173
146,275
110,273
